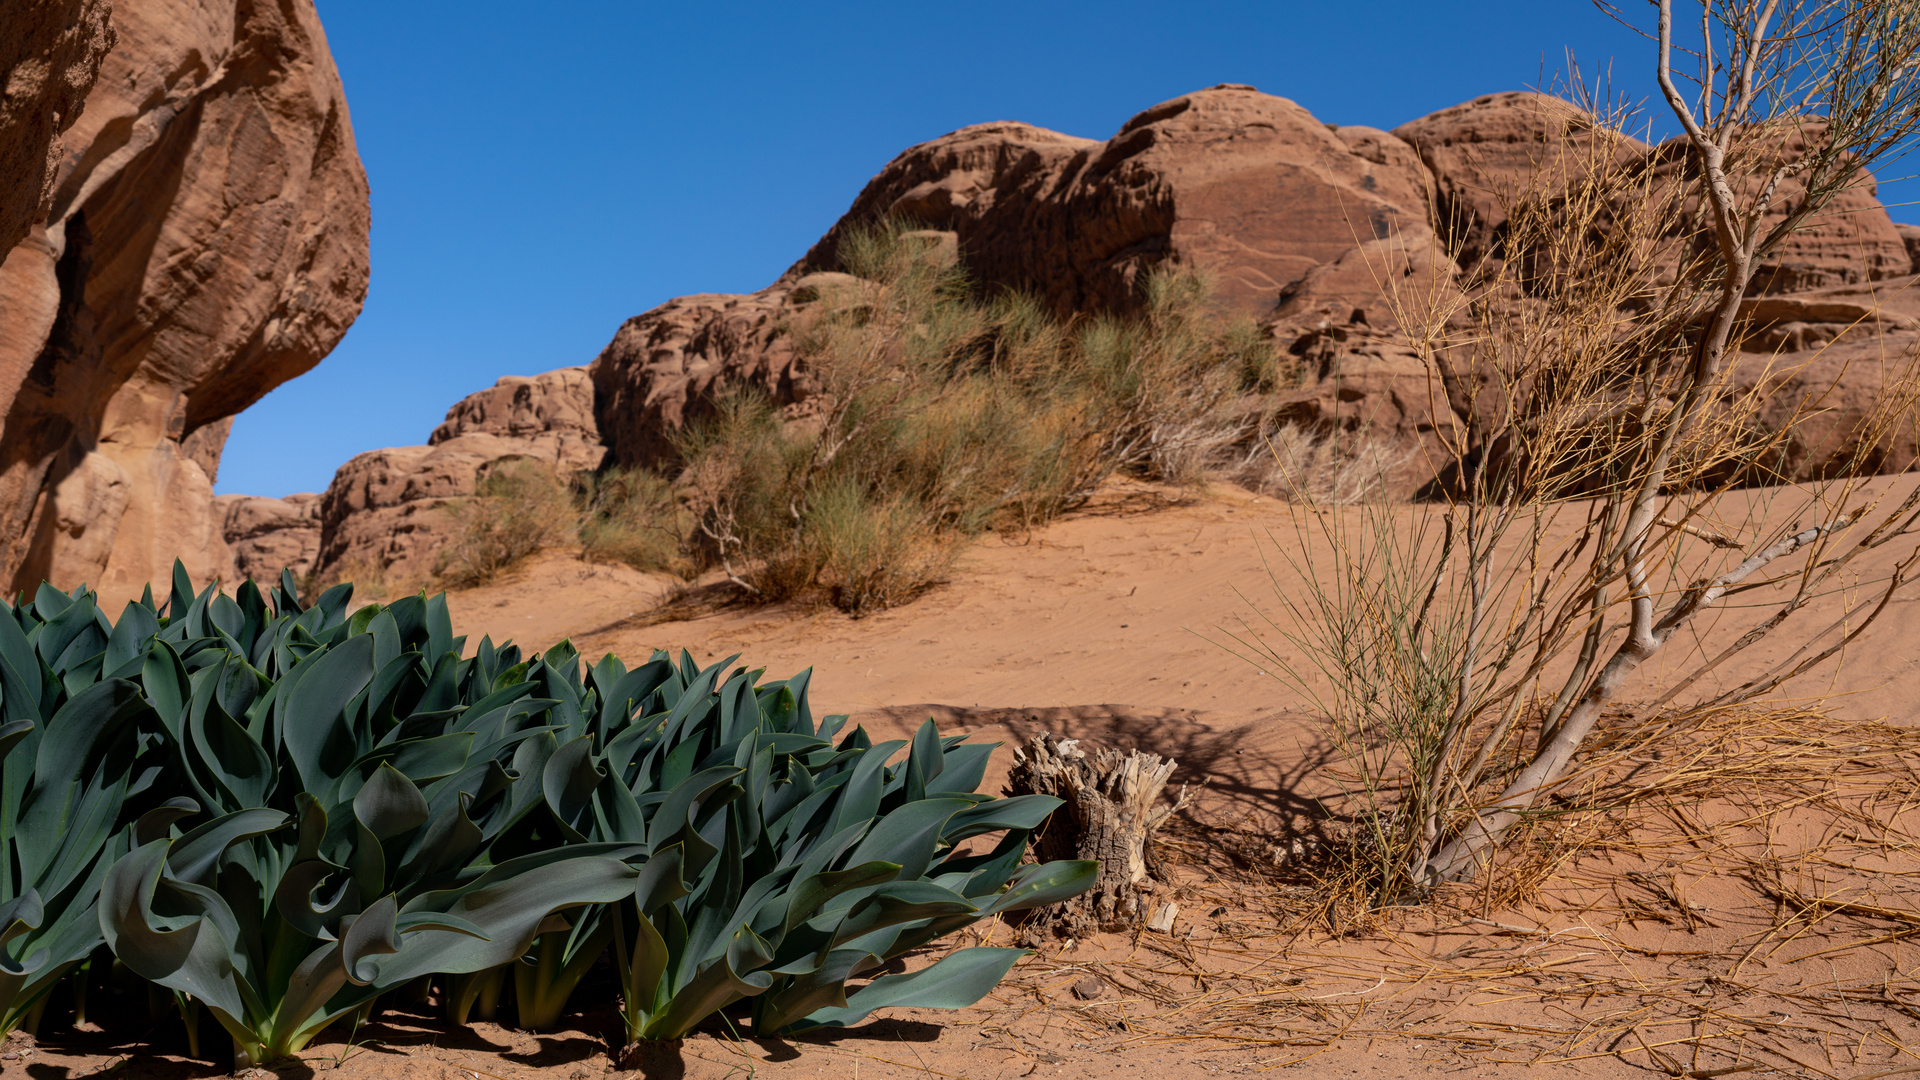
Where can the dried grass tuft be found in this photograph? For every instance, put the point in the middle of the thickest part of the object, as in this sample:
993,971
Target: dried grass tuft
1589,940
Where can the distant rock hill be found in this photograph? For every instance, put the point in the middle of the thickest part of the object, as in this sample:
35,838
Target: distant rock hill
183,219
1295,219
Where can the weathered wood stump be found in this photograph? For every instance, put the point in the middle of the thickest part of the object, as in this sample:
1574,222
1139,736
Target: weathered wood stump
1113,806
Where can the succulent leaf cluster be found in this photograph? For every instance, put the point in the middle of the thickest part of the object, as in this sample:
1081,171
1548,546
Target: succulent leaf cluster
281,811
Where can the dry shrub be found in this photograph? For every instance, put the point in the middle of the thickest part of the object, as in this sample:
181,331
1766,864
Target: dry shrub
1605,424
372,581
936,415
1341,468
632,516
1169,390
1733,887
519,507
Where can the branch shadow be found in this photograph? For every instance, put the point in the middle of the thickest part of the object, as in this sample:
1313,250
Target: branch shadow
1242,784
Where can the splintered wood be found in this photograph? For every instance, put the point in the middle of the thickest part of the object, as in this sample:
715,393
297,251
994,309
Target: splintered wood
1113,808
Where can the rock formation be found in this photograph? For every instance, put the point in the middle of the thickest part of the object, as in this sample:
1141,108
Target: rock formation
1246,185
1300,224
204,241
50,55
386,511
266,535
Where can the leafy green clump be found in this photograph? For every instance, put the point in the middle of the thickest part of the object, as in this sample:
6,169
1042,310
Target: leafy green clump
280,812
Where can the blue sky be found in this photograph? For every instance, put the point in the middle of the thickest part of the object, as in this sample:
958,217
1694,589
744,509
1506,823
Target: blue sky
542,172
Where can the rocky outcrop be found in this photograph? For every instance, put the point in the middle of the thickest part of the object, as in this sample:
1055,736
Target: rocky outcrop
1248,186
1488,152
205,241
555,406
268,535
389,511
663,370
1851,240
1846,348
1331,236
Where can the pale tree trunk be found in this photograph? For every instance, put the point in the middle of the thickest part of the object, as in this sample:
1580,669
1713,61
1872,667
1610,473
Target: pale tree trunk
1113,806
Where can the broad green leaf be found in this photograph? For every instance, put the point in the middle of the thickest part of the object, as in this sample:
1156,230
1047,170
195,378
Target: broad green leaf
956,981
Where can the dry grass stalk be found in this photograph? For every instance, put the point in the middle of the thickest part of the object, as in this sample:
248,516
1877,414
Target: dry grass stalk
1587,941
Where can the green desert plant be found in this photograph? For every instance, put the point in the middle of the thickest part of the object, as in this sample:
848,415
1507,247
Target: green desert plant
80,750
745,807
359,806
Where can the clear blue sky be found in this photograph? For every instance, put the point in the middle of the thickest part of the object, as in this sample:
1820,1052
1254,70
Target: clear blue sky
542,172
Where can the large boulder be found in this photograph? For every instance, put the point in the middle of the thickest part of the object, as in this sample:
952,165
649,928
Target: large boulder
388,512
1487,153
1849,241
205,241
556,404
267,535
1245,185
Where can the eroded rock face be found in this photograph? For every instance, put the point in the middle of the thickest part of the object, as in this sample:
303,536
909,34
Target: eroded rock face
555,403
1332,237
663,369
389,511
268,535
1490,151
1485,153
205,241
1246,185
1243,184
50,54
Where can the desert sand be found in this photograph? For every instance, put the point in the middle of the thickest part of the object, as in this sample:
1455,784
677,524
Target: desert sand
1757,915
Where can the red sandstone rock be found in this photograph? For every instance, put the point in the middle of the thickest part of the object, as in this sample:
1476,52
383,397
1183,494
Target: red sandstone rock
388,511
664,368
206,241
1333,236
50,53
557,403
1487,152
268,535
1247,186
1243,184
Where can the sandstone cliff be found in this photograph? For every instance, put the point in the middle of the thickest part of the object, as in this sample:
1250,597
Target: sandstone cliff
204,241
50,55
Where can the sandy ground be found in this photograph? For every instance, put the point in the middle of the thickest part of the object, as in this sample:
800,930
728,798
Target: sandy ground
1709,945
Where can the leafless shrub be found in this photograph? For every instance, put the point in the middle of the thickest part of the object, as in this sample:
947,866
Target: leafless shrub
1604,422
